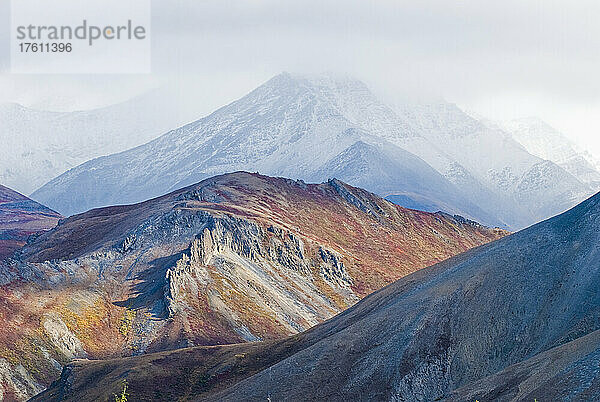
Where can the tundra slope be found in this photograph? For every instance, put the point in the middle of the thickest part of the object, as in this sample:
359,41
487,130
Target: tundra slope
20,218
566,372
523,309
454,323
239,257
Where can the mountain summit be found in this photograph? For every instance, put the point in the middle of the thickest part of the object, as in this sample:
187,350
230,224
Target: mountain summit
431,156
290,126
544,141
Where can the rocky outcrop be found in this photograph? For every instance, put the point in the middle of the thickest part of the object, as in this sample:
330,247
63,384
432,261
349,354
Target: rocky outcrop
16,383
359,198
272,265
66,342
332,269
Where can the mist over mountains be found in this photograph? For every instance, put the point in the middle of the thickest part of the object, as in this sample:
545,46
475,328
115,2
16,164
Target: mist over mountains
39,145
427,156
181,266
547,143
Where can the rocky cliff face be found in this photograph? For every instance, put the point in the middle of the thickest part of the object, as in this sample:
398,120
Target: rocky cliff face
235,258
242,270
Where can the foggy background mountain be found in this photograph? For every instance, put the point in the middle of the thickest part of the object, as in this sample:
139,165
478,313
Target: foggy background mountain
505,60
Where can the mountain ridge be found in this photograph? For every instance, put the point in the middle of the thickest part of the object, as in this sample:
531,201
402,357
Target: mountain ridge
41,145
283,128
546,142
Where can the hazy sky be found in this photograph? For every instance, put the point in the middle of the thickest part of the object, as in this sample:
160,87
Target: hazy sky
502,59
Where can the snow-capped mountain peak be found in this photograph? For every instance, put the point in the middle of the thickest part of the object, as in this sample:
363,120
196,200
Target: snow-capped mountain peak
544,141
308,127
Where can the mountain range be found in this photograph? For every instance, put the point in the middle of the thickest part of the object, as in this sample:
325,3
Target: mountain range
513,320
188,281
542,140
428,156
39,145
235,258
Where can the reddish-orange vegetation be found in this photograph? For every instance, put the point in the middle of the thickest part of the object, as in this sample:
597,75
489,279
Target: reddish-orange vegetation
236,257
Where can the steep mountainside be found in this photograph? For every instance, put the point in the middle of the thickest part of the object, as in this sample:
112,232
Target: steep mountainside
524,310
400,176
40,145
21,217
542,140
308,127
566,372
238,257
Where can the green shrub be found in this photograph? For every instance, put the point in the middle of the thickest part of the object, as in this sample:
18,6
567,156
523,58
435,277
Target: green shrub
122,397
